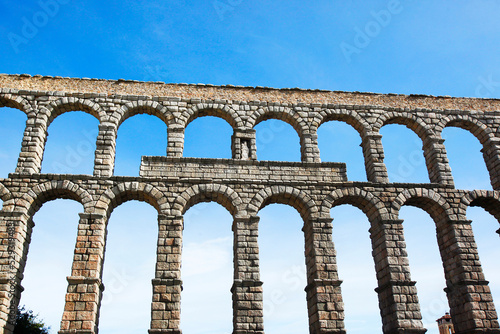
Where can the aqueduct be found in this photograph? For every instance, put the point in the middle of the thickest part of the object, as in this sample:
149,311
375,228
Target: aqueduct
244,185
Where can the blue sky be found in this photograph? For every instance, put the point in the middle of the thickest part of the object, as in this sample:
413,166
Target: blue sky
409,47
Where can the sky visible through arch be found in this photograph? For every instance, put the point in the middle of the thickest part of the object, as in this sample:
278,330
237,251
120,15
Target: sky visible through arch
408,47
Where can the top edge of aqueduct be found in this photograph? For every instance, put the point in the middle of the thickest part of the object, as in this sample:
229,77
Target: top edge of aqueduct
294,96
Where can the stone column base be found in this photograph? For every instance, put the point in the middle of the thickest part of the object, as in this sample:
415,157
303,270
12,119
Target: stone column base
407,331
481,331
332,331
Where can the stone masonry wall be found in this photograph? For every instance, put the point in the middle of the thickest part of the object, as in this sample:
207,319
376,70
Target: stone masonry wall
244,185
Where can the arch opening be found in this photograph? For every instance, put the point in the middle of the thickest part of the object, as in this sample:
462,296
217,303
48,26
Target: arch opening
404,156
58,108
50,191
300,201
12,125
489,204
477,129
277,140
464,155
356,269
208,136
425,262
204,193
228,115
283,270
18,103
288,116
485,227
50,258
149,108
71,144
349,117
207,269
137,136
129,267
409,121
339,141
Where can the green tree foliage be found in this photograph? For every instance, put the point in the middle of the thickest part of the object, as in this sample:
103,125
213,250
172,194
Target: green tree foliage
27,323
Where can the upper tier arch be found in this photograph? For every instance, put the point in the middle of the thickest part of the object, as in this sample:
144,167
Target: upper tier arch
67,104
285,114
411,121
223,111
133,108
16,102
350,117
480,130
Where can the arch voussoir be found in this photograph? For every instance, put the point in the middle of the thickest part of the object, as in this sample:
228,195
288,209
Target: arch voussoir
51,190
127,191
16,102
371,205
350,117
218,193
413,122
428,200
211,109
294,197
68,104
148,107
285,114
489,200
467,122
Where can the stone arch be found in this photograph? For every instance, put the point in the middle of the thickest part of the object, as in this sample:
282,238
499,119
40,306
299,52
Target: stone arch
371,205
19,103
55,109
68,104
426,199
411,121
357,123
16,102
480,130
25,208
133,108
433,152
350,117
287,195
219,193
487,199
285,114
127,191
483,133
33,200
211,109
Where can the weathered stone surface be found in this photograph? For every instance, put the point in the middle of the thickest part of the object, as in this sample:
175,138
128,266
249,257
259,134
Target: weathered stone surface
173,184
